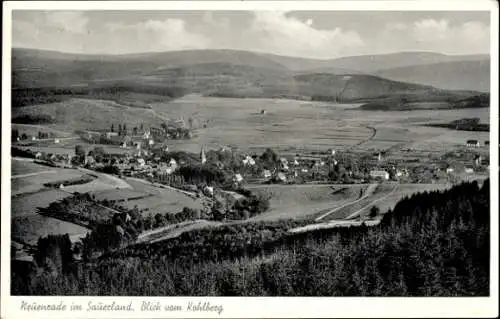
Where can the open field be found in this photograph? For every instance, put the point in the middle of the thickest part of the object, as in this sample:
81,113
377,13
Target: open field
25,167
301,201
118,195
163,200
28,229
289,126
299,126
80,114
401,191
34,183
28,204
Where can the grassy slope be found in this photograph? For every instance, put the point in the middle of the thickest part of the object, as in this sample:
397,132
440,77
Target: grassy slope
461,75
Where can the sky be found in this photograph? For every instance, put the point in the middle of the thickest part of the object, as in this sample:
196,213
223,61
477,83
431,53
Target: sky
315,34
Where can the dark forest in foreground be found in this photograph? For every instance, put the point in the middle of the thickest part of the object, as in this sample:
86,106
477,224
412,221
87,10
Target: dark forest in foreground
431,244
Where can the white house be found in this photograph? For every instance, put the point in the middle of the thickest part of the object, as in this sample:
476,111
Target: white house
208,190
111,134
469,170
449,170
304,170
281,177
141,162
33,138
266,173
237,178
38,155
124,145
296,162
56,141
248,161
151,142
146,134
379,174
172,163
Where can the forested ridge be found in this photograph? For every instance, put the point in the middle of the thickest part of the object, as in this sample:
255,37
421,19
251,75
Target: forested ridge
431,244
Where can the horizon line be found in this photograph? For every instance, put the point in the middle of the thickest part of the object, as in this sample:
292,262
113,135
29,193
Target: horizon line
239,50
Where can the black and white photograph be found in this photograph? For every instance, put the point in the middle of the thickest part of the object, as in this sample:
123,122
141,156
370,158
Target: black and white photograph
248,153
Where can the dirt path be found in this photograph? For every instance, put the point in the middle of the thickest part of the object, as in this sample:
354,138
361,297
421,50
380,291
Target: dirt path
32,174
374,132
369,191
119,183
190,194
358,212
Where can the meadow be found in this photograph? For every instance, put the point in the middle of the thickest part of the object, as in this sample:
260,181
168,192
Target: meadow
29,195
288,126
304,201
34,183
162,200
291,126
27,229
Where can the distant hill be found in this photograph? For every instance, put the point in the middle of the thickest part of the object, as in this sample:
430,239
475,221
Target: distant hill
379,62
134,80
458,75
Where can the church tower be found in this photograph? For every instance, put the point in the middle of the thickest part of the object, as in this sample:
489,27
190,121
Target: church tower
203,158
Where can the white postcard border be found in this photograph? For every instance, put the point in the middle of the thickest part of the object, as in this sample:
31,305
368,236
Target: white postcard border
257,307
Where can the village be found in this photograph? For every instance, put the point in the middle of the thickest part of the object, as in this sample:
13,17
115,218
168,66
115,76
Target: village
146,154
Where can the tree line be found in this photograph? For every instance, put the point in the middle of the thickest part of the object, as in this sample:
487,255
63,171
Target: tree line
431,244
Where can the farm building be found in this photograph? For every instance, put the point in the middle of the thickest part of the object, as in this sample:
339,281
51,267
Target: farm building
38,155
56,141
237,178
473,143
172,163
208,191
469,170
111,134
449,170
281,177
379,174
248,161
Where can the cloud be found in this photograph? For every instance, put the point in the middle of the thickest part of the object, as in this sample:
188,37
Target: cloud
278,33
156,35
437,35
265,31
67,21
470,36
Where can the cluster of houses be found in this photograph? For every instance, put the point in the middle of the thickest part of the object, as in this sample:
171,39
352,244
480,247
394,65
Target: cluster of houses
58,160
